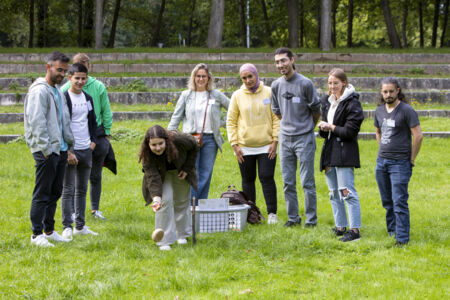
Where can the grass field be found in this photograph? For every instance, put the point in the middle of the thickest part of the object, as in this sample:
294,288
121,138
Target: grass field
262,262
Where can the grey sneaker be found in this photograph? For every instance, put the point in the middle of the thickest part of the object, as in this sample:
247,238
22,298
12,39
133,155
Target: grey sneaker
98,215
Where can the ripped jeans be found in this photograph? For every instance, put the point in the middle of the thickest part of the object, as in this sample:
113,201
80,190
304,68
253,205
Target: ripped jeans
340,182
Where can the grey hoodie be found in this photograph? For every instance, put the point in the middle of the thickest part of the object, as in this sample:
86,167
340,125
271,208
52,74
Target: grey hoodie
41,111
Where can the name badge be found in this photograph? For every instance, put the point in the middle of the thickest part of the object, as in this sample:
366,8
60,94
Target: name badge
212,101
89,106
390,123
266,101
296,99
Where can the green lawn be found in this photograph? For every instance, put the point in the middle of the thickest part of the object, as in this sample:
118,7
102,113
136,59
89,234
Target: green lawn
427,124
262,262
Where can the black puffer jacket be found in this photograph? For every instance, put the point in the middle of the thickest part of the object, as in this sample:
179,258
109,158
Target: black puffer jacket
340,148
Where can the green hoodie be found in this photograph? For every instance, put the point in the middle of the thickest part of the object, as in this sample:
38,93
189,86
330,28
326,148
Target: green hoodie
97,91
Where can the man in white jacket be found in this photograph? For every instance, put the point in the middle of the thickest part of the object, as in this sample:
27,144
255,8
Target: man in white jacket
48,134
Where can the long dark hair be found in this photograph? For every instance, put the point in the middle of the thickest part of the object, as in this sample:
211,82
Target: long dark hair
392,80
146,155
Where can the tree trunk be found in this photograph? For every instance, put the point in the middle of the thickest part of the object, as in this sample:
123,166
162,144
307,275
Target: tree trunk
191,19
421,24
267,36
318,3
325,25
98,24
31,23
302,23
292,6
215,30
333,15
80,23
112,34
88,23
158,26
445,42
241,5
350,24
405,18
435,23
390,26
42,23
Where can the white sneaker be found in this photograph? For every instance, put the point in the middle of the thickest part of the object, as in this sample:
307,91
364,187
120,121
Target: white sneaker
55,237
182,241
85,230
67,233
272,219
164,248
98,215
41,241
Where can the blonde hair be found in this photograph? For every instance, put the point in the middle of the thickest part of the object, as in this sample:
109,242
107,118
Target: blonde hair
339,74
81,58
191,83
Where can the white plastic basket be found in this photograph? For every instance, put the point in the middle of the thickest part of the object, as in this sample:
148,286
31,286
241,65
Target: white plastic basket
219,220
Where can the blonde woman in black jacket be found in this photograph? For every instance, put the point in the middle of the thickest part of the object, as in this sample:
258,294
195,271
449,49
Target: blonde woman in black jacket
342,116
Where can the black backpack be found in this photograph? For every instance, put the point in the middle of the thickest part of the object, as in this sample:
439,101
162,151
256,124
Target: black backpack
254,215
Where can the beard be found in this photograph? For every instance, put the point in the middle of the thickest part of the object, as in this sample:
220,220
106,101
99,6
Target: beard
56,79
390,100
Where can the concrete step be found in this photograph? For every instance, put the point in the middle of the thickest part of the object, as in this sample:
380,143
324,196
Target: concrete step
352,57
234,82
389,68
361,136
165,115
442,96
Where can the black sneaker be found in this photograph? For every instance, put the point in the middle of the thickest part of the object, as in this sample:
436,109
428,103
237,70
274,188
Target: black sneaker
350,236
292,223
310,225
338,232
401,244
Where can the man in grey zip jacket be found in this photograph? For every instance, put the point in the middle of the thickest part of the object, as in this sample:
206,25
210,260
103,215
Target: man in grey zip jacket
48,134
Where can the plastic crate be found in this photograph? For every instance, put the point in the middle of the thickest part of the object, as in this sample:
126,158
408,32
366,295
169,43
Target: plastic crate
220,220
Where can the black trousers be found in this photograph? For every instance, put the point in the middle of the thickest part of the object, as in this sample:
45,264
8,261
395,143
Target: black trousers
47,190
98,157
266,170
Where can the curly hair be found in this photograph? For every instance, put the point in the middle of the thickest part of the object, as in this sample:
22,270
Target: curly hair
147,156
393,81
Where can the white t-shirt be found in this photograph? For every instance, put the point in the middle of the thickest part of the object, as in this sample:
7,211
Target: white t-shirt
79,123
200,104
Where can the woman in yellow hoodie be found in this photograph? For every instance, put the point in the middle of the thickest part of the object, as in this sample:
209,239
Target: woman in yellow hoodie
253,133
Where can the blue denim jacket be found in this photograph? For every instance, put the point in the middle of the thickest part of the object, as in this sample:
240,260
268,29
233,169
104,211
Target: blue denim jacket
185,111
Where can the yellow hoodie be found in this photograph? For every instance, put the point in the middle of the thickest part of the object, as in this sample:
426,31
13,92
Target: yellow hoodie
250,120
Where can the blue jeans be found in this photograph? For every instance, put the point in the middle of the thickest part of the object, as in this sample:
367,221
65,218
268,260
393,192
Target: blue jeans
294,149
339,179
392,177
204,165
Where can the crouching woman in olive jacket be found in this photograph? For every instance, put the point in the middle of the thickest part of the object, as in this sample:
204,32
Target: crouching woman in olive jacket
168,161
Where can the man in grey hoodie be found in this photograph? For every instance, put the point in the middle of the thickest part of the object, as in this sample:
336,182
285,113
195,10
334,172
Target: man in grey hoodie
295,102
48,134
